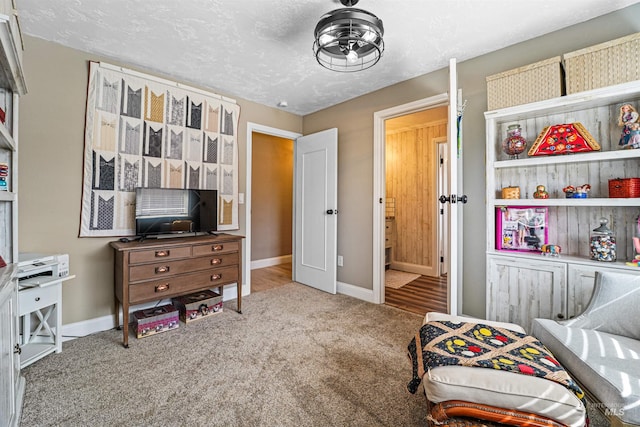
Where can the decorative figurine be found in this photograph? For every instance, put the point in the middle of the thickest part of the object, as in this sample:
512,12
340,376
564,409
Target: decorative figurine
628,115
568,191
515,143
540,193
579,192
551,250
634,136
582,191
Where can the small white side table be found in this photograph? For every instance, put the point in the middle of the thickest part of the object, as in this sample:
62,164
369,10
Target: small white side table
40,299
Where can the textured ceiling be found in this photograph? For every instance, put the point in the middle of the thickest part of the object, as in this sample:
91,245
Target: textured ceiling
261,50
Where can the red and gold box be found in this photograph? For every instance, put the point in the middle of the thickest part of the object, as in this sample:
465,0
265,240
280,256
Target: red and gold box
154,320
624,187
198,305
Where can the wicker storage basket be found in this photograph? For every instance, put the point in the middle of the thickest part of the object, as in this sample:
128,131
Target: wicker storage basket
534,82
624,187
511,193
605,64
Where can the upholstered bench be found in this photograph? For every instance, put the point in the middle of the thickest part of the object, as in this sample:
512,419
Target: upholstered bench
498,394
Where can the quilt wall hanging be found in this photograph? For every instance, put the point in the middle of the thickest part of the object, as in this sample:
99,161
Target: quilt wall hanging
142,131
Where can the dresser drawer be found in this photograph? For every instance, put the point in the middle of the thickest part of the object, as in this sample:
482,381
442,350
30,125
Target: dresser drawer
172,268
213,248
174,252
159,289
32,299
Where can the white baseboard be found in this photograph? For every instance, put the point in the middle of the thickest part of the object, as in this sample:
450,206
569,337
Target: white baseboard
355,291
270,262
104,323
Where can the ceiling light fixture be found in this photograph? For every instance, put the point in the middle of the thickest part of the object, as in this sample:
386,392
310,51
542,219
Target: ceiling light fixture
349,39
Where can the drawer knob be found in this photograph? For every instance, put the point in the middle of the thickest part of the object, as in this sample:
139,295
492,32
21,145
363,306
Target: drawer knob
160,254
216,261
162,288
162,269
217,248
37,298
216,276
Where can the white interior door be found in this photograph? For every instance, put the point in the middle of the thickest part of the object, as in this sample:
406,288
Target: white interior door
454,270
315,210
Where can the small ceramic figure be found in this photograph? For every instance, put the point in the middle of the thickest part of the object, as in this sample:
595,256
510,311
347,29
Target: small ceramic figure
628,115
540,193
581,191
568,191
551,250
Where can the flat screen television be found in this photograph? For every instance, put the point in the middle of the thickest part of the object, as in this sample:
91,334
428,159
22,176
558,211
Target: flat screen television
161,211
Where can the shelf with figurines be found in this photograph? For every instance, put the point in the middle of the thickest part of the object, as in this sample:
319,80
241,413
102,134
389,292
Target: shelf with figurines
568,159
576,128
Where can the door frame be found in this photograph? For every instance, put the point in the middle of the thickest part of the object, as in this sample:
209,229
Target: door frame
258,128
441,144
379,180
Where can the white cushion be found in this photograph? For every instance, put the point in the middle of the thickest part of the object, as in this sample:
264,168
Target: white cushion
501,388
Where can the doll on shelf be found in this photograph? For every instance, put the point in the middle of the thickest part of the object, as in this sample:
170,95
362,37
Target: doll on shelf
628,116
634,136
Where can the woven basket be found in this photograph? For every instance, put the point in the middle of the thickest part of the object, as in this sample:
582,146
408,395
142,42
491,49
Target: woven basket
624,187
511,193
534,82
605,64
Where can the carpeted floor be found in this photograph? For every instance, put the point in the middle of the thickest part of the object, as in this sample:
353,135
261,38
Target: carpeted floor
295,357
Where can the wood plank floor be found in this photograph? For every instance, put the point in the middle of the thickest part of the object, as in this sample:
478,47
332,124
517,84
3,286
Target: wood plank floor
420,296
270,277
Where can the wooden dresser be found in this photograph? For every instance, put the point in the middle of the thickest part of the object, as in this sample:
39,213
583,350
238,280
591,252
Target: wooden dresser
156,269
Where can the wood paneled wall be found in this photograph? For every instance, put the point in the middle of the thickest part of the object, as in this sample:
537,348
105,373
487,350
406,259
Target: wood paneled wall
411,179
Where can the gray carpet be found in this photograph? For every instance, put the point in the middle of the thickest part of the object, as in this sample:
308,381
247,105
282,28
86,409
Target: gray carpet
295,357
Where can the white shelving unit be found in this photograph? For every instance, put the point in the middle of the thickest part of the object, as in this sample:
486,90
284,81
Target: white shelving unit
525,285
12,86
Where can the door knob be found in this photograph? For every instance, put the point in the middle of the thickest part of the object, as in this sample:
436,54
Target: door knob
453,199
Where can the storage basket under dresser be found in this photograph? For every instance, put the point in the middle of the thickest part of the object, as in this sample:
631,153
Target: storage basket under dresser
157,269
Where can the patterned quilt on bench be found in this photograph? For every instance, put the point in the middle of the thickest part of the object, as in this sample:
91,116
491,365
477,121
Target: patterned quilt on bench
475,344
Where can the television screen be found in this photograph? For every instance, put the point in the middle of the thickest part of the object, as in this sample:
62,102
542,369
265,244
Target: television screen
172,210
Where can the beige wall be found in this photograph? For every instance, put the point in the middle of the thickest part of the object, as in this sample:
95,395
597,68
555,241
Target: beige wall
51,136
271,196
51,153
354,120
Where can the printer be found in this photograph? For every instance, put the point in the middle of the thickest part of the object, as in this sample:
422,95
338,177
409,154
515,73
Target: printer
36,269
